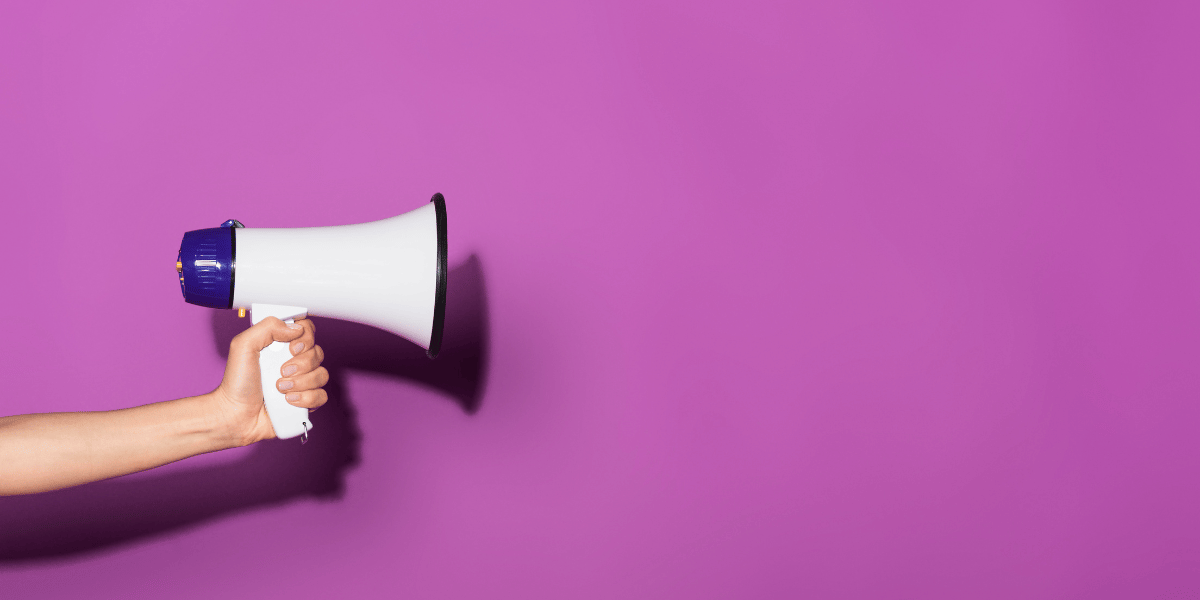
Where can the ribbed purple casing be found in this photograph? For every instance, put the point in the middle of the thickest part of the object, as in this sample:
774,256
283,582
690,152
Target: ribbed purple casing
207,256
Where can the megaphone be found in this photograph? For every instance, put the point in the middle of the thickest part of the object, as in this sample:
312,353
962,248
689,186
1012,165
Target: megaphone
390,274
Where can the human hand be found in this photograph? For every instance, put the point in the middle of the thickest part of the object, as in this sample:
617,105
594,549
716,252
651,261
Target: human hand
239,399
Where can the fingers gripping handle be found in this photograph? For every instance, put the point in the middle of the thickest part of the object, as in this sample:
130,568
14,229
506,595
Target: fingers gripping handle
288,421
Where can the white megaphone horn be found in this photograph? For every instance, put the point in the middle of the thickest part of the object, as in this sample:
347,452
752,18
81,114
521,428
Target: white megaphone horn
390,274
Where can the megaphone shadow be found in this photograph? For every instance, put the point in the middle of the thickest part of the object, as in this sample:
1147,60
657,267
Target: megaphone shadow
97,516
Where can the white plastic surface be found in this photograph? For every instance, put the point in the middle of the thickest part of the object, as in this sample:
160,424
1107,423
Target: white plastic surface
382,273
288,421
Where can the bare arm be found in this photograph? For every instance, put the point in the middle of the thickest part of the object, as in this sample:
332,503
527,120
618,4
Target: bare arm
44,452
50,451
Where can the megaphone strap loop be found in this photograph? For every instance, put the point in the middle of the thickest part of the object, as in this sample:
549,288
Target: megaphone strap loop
304,436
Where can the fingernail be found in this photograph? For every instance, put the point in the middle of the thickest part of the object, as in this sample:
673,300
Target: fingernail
287,385
295,326
290,370
292,397
298,347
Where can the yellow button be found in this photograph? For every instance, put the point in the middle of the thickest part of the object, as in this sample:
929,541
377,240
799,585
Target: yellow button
178,267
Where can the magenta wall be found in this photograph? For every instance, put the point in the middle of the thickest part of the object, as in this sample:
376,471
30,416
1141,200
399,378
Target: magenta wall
829,300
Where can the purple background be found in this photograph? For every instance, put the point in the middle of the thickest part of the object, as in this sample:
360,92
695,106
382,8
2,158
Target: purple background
760,300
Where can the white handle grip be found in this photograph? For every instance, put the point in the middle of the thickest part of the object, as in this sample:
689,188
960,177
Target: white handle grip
288,421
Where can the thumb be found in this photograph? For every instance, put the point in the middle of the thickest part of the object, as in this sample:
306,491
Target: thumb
269,330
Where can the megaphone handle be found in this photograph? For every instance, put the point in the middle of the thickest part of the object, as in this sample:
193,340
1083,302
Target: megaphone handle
288,420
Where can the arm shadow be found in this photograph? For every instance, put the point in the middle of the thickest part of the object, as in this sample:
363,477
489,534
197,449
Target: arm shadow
95,517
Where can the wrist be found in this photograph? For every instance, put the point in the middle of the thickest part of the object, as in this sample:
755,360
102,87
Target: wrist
231,426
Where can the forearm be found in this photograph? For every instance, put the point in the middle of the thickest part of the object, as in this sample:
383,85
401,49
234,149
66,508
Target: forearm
50,451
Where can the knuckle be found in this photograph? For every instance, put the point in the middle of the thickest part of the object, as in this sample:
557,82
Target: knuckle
240,341
315,399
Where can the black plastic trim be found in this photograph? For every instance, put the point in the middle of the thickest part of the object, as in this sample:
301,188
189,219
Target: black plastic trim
439,300
232,262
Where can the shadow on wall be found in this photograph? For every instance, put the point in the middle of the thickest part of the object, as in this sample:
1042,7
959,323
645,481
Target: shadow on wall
96,516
